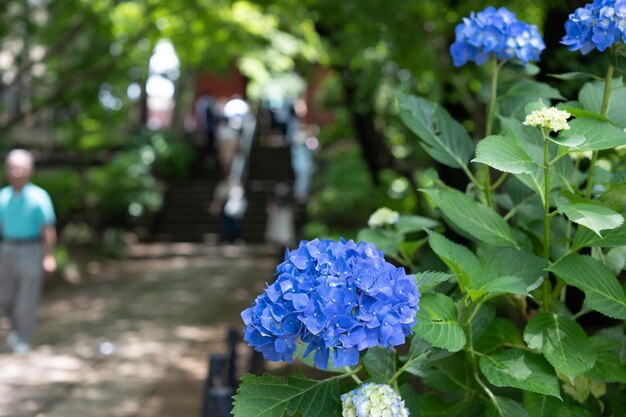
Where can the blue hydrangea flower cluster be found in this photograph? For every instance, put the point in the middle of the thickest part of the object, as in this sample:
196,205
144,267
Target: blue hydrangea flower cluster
340,295
495,32
373,400
597,25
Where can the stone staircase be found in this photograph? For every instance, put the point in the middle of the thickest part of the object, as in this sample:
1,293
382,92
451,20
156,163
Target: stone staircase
185,215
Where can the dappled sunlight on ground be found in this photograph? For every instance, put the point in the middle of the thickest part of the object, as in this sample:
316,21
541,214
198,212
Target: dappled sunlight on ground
134,339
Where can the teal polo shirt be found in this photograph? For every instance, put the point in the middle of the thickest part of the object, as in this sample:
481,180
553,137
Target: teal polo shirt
24,214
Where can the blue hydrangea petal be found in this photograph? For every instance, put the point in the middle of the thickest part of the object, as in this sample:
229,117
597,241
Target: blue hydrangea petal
320,358
495,32
300,301
598,25
332,295
345,357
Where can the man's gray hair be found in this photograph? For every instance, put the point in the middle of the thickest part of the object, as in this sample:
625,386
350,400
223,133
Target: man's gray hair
20,157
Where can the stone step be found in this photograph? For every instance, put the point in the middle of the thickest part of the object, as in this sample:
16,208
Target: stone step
185,215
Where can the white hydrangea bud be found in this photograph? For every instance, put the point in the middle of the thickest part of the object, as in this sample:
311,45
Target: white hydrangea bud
373,400
383,216
581,155
549,117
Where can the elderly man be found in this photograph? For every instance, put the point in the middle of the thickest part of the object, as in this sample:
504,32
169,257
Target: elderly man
27,223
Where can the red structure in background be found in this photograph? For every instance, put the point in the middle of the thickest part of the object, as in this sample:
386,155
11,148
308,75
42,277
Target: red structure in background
222,85
316,114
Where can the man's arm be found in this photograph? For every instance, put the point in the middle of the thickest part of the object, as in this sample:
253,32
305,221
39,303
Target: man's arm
49,235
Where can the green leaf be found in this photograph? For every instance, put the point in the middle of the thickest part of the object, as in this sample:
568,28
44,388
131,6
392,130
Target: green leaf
616,334
271,396
481,321
564,174
616,400
457,257
468,408
600,135
602,343
538,405
615,193
528,138
531,141
591,96
536,105
520,369
499,333
429,405
531,88
562,341
418,348
451,374
410,223
535,181
428,280
410,247
410,397
443,138
503,153
380,364
608,368
531,69
499,279
569,141
574,75
515,106
572,411
384,240
512,262
591,215
585,113
476,219
506,407
437,322
603,292
503,285
615,259
586,238
421,356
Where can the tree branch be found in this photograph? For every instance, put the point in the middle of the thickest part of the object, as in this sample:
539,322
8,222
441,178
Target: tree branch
59,46
74,77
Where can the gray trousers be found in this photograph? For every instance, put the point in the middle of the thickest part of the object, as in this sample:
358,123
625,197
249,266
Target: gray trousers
21,274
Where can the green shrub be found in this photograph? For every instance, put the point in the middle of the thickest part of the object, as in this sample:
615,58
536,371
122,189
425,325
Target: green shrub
65,188
124,189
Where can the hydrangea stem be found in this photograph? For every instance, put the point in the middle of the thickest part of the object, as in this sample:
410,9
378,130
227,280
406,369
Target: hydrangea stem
488,392
352,374
607,89
491,114
546,218
608,80
405,366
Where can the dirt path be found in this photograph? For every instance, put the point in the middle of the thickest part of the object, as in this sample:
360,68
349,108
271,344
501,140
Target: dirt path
134,340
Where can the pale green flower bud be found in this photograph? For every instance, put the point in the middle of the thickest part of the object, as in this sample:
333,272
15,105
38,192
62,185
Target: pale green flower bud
373,400
383,216
550,118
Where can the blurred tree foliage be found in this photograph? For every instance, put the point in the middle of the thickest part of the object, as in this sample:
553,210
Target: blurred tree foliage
58,57
375,49
65,67
374,46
